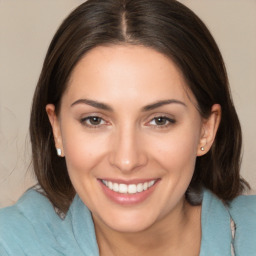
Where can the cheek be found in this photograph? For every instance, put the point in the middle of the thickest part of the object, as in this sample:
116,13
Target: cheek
82,150
177,150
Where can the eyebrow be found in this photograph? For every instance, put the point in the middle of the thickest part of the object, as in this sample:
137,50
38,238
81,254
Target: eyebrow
106,107
93,103
162,103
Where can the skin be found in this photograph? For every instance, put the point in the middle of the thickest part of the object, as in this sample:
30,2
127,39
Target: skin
128,142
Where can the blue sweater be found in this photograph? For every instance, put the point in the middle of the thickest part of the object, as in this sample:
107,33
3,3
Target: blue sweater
31,227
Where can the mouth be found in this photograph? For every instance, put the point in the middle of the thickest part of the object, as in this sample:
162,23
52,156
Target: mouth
133,188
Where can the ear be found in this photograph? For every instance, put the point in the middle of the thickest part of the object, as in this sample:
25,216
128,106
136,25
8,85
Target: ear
50,109
209,130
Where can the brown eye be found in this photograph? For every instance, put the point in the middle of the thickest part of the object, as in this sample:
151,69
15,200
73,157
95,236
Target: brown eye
161,121
93,121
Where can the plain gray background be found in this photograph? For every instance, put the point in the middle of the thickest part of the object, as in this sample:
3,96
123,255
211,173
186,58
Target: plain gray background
26,28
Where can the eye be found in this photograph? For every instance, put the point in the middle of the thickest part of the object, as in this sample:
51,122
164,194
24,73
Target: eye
93,121
161,121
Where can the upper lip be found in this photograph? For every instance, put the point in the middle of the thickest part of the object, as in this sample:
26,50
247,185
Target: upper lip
127,182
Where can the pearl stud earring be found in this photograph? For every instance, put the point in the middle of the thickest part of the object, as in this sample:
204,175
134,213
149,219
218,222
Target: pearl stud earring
58,151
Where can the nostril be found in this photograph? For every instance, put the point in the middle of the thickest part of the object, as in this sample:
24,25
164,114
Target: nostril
126,153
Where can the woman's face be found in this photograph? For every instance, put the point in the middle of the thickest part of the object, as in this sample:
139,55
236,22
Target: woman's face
130,133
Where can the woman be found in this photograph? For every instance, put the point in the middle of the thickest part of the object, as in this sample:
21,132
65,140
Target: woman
134,98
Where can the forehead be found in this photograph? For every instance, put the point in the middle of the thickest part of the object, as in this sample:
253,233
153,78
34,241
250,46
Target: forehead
131,71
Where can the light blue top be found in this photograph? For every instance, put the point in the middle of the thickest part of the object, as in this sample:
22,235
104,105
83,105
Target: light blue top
32,228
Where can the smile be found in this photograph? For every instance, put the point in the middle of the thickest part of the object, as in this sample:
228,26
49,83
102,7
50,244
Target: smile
128,189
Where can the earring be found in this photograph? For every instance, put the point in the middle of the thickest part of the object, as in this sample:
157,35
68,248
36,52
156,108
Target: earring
58,151
202,148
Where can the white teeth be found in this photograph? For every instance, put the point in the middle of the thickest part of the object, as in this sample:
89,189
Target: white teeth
110,185
151,183
123,188
130,189
139,187
115,187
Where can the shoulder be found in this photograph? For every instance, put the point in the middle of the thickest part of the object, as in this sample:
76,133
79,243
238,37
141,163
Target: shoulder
243,212
32,227
240,207
31,207
216,218
28,207
244,204
23,222
215,225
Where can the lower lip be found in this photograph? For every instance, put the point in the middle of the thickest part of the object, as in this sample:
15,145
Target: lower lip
128,199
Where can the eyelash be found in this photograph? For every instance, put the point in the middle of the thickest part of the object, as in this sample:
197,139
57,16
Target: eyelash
89,119
167,122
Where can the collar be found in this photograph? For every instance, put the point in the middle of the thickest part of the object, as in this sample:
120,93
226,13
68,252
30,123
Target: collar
215,224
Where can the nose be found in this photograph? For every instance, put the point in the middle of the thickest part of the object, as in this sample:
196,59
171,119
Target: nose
127,151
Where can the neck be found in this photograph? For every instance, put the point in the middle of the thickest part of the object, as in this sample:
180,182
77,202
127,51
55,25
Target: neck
178,233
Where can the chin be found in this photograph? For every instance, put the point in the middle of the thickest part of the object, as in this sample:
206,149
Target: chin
128,222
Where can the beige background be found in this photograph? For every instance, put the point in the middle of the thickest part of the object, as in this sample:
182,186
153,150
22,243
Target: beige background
26,28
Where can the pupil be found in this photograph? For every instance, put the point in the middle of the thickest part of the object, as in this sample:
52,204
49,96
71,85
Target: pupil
95,120
160,120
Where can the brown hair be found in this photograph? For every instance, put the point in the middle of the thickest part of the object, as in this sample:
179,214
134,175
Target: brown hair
168,27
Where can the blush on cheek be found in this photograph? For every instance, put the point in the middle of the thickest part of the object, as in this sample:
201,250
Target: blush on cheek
82,156
178,154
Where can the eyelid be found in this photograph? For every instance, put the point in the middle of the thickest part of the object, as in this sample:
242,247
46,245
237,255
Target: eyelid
170,120
87,117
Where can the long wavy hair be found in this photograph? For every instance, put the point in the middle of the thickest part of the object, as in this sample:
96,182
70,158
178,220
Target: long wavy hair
171,29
